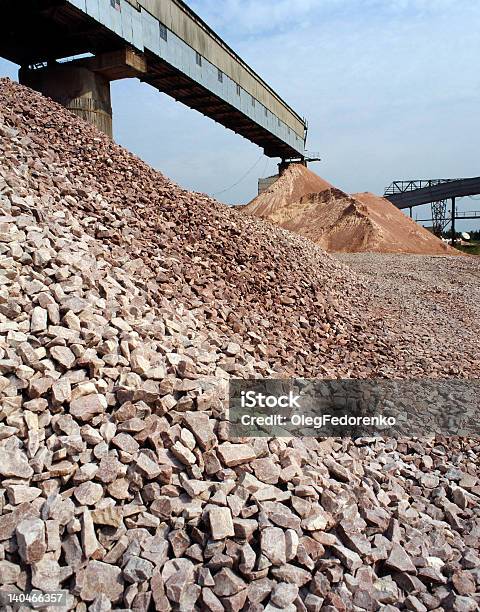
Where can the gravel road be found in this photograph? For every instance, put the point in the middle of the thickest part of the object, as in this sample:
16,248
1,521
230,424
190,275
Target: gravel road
437,297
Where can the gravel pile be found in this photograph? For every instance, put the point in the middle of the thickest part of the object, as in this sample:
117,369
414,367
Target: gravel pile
125,306
255,286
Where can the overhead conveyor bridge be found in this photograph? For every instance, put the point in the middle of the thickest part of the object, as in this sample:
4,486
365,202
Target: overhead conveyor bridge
436,192
161,42
405,194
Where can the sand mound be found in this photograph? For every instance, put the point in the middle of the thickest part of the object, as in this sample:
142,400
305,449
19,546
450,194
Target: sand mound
292,185
340,222
399,233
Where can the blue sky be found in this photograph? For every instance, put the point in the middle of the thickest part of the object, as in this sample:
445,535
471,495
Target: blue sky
391,90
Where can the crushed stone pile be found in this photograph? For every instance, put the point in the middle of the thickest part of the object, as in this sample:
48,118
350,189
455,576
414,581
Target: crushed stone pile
302,202
126,304
255,284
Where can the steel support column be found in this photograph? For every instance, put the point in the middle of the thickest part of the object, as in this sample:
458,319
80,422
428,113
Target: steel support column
453,222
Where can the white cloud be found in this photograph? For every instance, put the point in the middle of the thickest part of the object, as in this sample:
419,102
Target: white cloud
254,17
259,17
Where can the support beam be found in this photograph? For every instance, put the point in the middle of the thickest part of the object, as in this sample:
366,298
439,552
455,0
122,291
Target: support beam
121,64
453,222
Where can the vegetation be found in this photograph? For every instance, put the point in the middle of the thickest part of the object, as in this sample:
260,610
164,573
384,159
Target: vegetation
473,246
472,249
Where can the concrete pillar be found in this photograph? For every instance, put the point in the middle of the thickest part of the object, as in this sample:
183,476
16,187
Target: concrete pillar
84,92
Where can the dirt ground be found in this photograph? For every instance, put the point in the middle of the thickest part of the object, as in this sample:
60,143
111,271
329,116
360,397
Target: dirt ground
438,296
